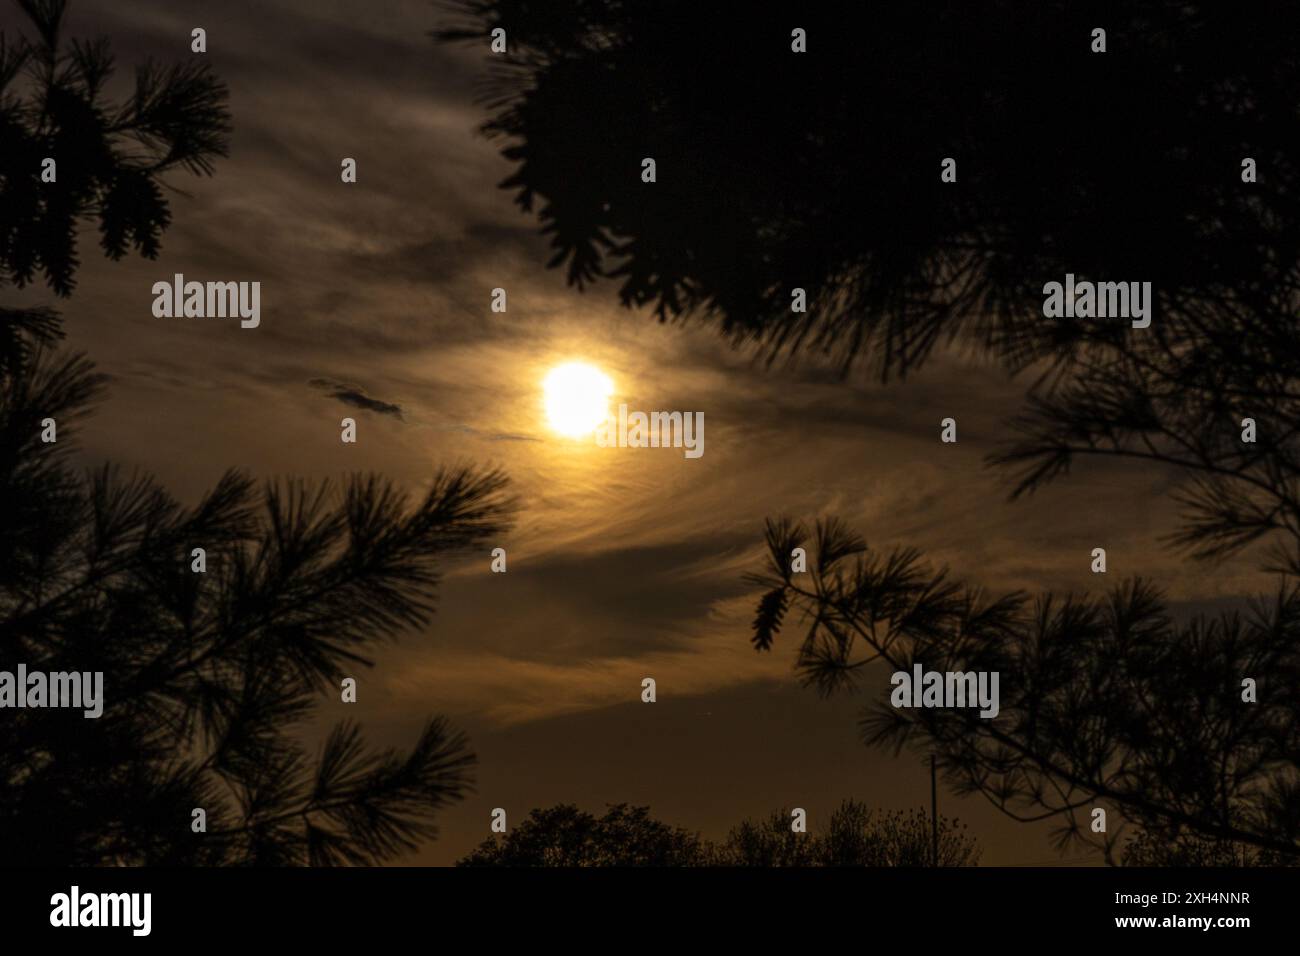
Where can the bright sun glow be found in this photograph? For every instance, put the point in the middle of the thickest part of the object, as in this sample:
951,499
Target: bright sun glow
577,398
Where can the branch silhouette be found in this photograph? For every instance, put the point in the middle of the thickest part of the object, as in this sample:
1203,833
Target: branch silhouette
109,157
819,171
1104,700
208,677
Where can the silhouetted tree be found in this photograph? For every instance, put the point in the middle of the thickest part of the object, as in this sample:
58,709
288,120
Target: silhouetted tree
821,170
1154,848
566,836
1103,701
109,156
780,170
859,836
208,677
855,835
767,842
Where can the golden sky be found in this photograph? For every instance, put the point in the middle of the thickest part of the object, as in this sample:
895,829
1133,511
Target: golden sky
625,563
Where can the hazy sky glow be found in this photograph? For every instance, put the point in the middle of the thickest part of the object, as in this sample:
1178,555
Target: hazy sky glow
625,563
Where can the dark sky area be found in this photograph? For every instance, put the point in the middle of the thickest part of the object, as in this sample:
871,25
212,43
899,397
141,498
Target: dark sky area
624,563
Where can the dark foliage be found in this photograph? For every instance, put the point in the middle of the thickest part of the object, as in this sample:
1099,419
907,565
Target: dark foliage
563,835
820,171
855,835
1104,701
208,677
1172,847
109,156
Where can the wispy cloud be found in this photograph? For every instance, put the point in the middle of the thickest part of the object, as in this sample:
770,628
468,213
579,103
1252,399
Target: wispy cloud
355,396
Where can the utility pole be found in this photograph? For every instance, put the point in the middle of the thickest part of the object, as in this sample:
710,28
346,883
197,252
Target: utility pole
934,811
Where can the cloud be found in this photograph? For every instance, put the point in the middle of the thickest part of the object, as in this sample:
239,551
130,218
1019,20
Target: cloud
493,436
506,690
356,396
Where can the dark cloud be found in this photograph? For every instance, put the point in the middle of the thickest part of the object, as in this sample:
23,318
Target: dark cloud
355,396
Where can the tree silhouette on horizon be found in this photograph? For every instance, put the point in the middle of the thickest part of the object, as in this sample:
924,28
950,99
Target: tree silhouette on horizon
821,170
1179,848
565,836
208,677
853,835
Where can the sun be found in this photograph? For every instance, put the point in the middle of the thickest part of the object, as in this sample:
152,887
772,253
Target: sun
576,398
